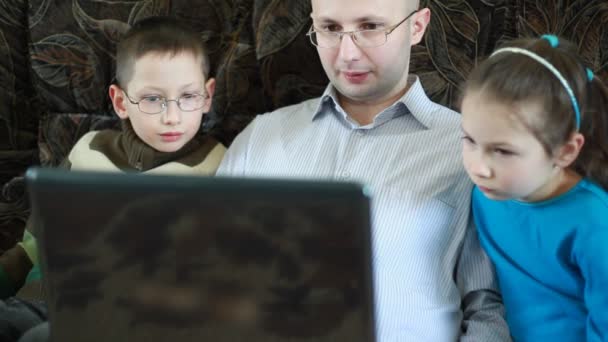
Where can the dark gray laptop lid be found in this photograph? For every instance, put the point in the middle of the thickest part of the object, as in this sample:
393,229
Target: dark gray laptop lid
129,257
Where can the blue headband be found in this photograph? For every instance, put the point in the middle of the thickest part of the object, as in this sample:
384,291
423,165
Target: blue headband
554,41
590,74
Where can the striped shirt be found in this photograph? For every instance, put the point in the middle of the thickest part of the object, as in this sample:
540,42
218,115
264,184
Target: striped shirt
427,259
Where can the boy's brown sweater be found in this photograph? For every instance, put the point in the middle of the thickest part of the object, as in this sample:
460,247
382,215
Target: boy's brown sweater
113,151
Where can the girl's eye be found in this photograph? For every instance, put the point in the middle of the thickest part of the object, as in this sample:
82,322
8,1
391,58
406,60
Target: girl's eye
468,140
504,152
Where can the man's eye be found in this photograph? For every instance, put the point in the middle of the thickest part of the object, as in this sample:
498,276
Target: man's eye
370,26
331,28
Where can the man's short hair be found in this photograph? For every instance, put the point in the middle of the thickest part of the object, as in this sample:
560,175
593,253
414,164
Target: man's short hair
163,35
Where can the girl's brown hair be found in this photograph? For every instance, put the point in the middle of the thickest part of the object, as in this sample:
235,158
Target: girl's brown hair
513,78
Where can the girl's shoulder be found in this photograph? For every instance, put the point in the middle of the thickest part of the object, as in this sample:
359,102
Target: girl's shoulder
593,195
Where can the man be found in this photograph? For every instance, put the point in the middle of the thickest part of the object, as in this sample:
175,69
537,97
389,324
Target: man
374,124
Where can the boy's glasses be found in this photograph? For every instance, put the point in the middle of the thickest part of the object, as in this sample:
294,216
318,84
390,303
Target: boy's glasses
157,104
363,38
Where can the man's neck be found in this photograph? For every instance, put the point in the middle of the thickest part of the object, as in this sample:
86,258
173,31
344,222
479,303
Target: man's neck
364,112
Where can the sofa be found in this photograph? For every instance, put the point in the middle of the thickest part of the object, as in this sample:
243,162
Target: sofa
56,63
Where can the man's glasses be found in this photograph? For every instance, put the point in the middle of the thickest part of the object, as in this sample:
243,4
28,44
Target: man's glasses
154,104
363,38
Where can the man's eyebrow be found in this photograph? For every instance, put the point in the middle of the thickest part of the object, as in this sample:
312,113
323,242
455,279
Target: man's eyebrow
328,20
324,20
371,18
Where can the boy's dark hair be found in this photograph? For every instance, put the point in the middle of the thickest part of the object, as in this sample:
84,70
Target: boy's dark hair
164,35
512,78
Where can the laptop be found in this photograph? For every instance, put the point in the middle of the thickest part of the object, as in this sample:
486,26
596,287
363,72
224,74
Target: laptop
132,257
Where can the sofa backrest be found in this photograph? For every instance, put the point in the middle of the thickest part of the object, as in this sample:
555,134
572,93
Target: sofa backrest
57,61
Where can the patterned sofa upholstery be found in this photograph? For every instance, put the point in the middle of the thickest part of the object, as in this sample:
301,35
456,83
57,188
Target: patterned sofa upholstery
56,62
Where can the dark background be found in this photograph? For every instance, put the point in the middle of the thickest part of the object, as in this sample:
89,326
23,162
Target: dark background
56,63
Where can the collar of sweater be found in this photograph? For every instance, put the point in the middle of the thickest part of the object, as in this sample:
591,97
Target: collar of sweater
143,157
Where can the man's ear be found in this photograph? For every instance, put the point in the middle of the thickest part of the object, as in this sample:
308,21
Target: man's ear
118,98
568,152
420,21
210,90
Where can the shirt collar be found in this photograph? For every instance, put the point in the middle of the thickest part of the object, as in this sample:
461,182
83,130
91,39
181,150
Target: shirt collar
414,101
328,101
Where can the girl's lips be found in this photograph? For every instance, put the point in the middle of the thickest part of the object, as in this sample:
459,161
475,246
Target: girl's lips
484,189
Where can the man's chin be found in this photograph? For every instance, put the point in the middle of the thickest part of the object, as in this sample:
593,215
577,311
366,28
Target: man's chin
356,92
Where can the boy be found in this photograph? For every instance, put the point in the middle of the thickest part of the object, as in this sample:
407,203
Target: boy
161,93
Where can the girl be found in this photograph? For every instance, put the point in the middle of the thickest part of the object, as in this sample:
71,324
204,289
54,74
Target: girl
535,123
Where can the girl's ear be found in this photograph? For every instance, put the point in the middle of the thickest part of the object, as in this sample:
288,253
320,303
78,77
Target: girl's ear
565,155
118,98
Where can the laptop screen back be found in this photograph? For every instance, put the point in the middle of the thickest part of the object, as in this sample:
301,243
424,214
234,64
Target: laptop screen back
158,258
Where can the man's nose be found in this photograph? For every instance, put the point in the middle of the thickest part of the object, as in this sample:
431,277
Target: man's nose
349,50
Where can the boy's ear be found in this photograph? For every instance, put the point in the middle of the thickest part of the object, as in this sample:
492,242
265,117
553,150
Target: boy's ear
210,89
567,153
118,98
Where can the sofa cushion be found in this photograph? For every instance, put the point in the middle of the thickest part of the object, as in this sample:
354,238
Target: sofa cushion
18,112
60,131
18,119
460,32
72,54
582,22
